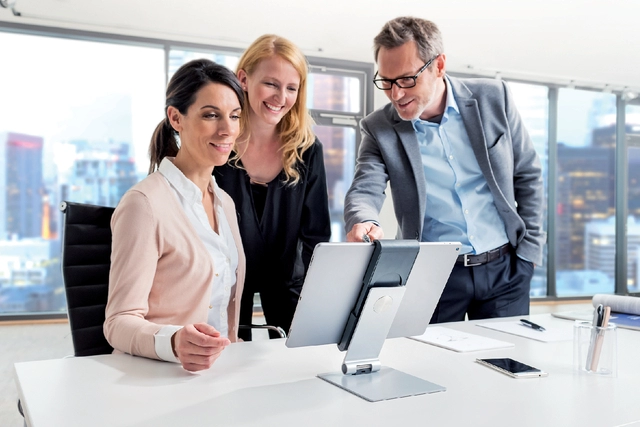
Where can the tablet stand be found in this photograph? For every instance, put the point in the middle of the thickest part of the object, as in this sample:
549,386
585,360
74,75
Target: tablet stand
362,373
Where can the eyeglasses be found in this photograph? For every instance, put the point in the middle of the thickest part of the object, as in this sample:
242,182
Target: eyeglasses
402,82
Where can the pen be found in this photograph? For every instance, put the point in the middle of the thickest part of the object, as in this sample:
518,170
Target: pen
597,349
366,239
600,312
532,325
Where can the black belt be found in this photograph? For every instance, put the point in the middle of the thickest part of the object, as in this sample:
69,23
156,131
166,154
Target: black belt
470,260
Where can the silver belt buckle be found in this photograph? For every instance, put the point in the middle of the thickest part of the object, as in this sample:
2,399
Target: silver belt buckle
466,261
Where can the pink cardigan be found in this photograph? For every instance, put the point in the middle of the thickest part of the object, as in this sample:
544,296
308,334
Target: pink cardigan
161,272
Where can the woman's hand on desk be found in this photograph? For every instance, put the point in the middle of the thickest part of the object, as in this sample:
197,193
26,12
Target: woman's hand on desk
198,346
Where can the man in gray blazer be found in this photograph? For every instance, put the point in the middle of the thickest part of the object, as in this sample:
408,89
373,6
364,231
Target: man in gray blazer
461,167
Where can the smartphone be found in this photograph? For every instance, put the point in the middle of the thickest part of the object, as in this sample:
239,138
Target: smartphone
513,368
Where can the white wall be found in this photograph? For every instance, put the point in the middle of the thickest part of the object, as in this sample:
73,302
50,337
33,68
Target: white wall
592,42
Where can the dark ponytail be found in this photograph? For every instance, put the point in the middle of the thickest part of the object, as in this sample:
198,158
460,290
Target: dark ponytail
163,144
181,94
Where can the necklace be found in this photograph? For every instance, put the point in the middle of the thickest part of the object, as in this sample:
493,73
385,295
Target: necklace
253,181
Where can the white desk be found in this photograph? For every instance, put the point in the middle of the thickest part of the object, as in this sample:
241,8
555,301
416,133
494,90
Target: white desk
266,384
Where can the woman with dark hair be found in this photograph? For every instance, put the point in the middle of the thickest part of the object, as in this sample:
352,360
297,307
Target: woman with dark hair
177,263
277,179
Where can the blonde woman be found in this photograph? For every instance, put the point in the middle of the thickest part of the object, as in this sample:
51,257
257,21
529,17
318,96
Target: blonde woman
276,178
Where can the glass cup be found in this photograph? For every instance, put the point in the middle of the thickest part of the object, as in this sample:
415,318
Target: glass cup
595,349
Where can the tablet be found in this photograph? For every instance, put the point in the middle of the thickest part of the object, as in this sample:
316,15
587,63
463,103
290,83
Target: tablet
333,283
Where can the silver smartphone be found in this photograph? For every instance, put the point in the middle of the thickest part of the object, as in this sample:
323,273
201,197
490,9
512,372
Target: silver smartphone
513,368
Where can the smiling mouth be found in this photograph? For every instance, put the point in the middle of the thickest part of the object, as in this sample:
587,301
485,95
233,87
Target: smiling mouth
273,108
221,145
403,105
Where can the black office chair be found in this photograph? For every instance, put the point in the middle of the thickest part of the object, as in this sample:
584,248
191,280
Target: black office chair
86,258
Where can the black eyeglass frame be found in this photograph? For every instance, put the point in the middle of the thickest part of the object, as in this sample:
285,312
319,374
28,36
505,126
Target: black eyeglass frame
395,81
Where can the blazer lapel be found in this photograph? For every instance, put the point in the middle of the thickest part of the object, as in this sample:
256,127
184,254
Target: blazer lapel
407,136
472,123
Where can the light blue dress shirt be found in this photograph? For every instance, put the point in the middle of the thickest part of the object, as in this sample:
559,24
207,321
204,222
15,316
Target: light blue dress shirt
460,206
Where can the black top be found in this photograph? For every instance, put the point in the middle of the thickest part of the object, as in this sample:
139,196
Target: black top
279,245
259,193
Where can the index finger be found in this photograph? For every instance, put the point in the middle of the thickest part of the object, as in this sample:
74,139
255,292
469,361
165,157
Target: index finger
204,335
375,233
206,329
212,342
358,231
209,341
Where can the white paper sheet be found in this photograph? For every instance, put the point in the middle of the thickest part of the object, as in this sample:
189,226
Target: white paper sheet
459,341
514,327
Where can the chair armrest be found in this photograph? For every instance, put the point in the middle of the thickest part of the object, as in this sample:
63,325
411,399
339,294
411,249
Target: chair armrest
276,329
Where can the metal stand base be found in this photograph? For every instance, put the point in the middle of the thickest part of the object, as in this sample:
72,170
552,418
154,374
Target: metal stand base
385,384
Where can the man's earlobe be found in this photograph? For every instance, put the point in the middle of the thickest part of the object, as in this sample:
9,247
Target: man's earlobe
441,61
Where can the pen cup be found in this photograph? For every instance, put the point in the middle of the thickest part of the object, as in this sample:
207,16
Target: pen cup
595,349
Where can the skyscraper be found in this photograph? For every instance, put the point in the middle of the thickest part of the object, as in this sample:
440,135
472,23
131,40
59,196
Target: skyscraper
20,185
600,241
585,193
102,172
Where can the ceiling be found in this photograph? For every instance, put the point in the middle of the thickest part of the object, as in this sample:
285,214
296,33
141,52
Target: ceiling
589,42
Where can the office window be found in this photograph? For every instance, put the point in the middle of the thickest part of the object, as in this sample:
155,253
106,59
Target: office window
633,220
533,104
177,57
77,117
336,100
331,92
585,211
339,146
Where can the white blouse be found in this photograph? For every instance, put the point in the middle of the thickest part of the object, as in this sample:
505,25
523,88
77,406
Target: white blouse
221,247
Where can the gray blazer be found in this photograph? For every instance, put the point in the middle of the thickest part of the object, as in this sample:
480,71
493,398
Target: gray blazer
389,152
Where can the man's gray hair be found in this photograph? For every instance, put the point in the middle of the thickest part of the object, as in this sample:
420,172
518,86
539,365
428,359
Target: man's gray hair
400,30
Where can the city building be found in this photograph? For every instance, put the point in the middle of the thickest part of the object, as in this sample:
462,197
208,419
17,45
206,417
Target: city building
600,248
585,190
24,276
102,172
20,193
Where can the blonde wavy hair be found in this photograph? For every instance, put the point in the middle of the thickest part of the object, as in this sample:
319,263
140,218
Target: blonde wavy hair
294,129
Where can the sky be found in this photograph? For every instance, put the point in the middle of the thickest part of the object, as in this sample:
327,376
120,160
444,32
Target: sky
71,89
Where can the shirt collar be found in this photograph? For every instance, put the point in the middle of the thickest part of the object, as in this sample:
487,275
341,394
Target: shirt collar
183,185
451,100
419,124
